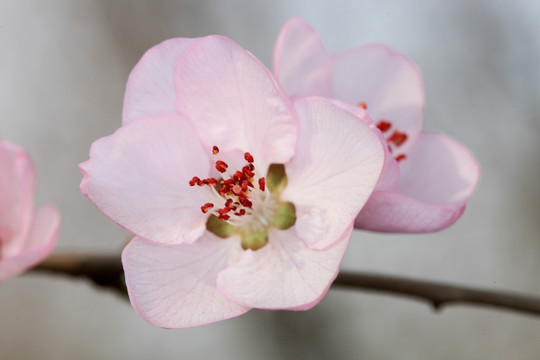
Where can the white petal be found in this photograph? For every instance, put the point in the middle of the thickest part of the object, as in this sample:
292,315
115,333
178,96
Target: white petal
139,177
337,164
175,286
234,102
284,274
150,90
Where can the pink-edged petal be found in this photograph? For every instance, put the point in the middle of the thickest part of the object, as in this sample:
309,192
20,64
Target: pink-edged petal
388,82
390,175
175,286
357,111
17,183
439,170
139,177
301,62
284,274
42,239
234,102
337,163
396,213
150,90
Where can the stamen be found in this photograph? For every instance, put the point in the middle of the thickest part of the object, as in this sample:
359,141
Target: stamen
221,166
206,207
384,126
397,137
400,157
237,190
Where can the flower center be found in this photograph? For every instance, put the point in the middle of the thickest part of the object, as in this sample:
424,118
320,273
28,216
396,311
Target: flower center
396,138
243,203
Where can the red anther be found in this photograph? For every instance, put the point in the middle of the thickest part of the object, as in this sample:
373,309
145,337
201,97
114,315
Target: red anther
236,189
384,125
221,166
251,166
238,176
262,184
241,212
246,202
224,210
200,183
248,157
215,150
228,203
224,217
206,207
397,137
205,181
400,157
244,188
247,172
362,105
194,181
212,181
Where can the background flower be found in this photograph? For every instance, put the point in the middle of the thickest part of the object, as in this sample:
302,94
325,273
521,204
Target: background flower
25,238
428,177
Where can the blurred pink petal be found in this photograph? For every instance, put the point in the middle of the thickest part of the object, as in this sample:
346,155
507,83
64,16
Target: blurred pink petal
438,179
25,238
301,62
150,87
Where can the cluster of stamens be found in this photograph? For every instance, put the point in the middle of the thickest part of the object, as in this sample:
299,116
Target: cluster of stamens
235,189
396,138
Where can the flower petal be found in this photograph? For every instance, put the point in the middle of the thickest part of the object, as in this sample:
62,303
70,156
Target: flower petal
301,62
150,90
437,178
139,178
390,175
234,102
17,183
284,274
397,213
40,244
388,82
175,286
439,170
337,163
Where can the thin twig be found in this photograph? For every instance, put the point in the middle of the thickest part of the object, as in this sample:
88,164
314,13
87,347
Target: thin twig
439,294
106,271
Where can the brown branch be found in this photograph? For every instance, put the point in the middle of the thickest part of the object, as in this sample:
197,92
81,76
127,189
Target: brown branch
106,271
103,270
439,294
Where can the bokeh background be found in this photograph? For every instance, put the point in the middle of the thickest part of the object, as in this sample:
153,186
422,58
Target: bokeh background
63,68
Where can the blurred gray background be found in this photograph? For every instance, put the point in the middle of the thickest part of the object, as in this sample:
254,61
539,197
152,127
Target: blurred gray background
63,68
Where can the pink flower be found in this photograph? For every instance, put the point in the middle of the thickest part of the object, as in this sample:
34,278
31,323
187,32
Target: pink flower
239,197
25,238
428,177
